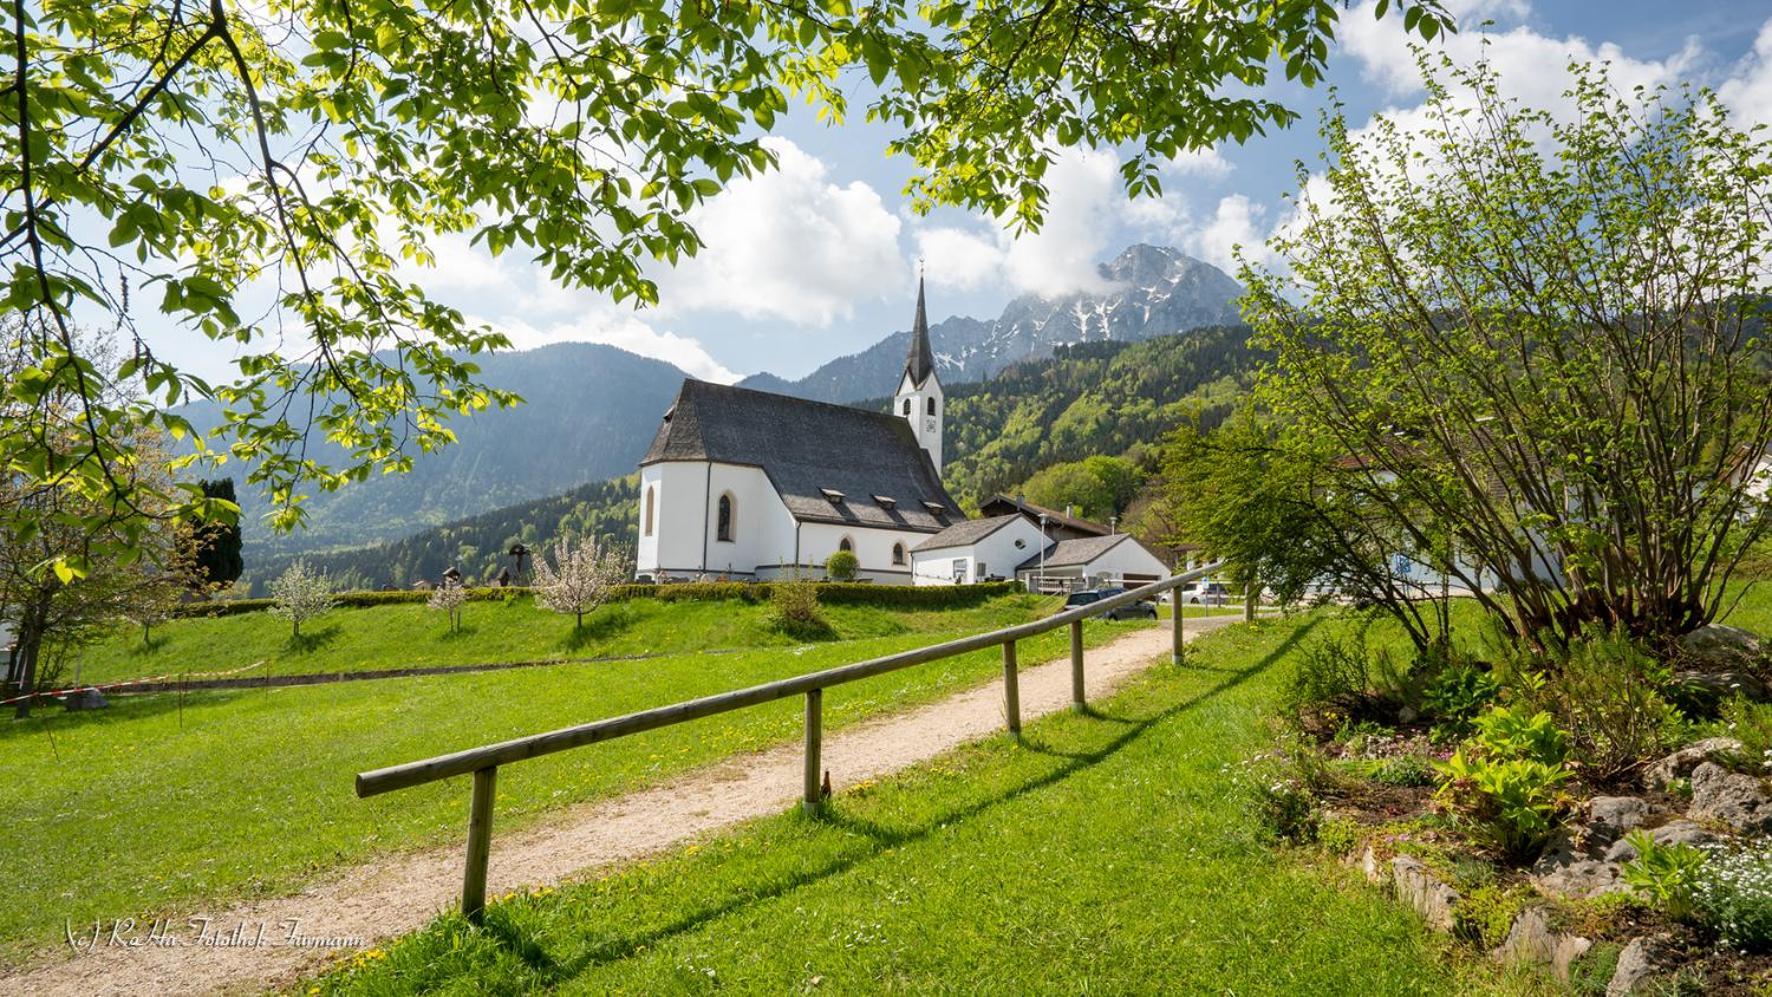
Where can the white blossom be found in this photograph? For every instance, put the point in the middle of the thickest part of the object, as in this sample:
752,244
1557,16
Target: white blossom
581,577
300,595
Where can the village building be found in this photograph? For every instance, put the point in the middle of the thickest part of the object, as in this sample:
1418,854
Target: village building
753,485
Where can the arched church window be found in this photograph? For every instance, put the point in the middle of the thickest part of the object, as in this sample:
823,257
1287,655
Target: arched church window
726,510
846,544
650,500
931,406
907,406
898,553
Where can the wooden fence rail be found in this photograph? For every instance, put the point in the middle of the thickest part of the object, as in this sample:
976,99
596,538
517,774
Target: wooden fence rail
483,762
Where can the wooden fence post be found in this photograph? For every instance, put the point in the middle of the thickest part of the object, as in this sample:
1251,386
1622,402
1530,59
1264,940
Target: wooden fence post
1178,651
1011,689
473,883
814,733
1079,702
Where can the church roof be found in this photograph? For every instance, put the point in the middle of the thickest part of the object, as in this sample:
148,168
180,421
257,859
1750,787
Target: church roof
919,365
809,449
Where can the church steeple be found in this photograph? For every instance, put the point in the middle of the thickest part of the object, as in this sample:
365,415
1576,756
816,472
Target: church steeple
920,363
919,397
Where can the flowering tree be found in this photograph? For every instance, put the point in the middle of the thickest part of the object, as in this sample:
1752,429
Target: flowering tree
300,595
580,577
449,598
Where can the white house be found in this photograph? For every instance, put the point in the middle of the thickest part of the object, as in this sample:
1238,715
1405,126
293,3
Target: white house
753,485
1118,559
1013,546
976,550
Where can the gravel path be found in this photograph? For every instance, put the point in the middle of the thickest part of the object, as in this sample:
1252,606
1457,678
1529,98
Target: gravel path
379,901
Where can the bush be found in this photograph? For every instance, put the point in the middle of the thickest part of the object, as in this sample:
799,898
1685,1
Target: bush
1281,789
1605,689
1751,724
1732,896
1665,874
796,611
1506,783
842,566
1456,695
881,596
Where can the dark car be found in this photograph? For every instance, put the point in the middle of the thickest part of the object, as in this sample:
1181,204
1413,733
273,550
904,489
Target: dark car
1142,609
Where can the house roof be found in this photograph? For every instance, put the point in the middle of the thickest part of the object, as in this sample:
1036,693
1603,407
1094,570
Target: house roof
966,533
919,365
1069,553
1053,516
807,449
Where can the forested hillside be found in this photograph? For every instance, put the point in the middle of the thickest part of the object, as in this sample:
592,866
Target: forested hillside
1103,398
478,544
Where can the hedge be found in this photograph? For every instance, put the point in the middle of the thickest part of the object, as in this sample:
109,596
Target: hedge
829,593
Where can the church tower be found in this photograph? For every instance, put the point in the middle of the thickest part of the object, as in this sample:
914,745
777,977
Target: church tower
919,396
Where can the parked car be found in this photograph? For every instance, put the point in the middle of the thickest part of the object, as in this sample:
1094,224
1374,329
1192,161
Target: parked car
1210,594
1142,609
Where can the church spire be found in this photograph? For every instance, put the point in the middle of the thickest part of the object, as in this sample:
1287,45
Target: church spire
920,364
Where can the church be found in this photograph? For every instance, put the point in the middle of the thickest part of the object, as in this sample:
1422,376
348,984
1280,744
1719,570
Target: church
752,485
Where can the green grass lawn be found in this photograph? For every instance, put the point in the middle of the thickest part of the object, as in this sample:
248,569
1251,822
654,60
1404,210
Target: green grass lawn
151,806
401,636
1106,853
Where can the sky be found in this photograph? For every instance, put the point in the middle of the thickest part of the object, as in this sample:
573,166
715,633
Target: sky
818,258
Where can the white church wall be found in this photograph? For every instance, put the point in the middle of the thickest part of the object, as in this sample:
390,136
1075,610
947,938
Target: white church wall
873,548
685,538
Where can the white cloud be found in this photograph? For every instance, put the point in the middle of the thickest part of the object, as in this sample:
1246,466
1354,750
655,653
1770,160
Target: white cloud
624,331
1529,65
1205,163
1236,224
788,244
960,259
1748,91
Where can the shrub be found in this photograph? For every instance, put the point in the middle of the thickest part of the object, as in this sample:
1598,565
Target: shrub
1504,733
1665,874
1732,896
1280,788
1506,782
1751,724
1605,689
1456,695
796,612
842,566
1404,770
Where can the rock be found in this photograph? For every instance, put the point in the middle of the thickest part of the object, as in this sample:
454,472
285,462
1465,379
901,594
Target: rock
1369,865
1679,832
1531,941
1717,647
1421,889
1582,878
87,699
1741,801
1680,764
1610,817
1716,662
1636,964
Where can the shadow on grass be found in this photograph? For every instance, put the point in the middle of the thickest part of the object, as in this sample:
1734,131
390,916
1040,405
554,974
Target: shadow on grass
879,838
57,719
313,640
604,625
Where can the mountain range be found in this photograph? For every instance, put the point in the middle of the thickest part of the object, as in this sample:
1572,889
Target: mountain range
1148,291
591,410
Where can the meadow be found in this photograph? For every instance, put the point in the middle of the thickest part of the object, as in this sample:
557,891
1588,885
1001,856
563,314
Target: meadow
1107,852
164,802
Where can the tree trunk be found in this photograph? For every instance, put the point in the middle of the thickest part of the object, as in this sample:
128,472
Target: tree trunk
30,647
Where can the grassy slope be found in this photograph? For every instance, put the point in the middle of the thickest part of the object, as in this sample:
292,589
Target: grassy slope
147,807
1106,853
412,635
